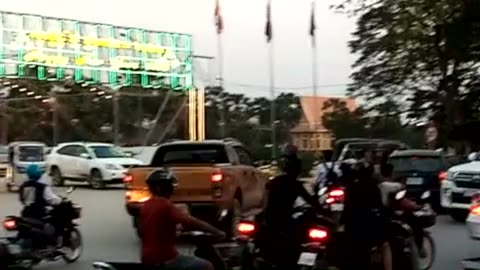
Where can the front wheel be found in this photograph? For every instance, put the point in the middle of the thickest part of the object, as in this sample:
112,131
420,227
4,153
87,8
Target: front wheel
75,249
426,262
96,180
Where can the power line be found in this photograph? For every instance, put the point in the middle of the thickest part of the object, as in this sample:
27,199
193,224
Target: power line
295,88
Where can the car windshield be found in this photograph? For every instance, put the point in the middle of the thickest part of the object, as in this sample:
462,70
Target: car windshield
31,153
415,163
107,151
191,154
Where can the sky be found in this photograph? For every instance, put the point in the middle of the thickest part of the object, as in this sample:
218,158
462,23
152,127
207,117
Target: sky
245,50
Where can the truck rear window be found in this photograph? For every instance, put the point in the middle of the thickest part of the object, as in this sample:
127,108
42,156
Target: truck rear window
190,154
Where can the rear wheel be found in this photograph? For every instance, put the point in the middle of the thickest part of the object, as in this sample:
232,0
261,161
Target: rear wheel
229,226
459,215
96,180
57,179
136,225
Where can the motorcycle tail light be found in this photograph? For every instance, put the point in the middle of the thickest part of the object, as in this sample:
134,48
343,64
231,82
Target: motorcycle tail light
336,193
10,224
442,176
318,234
246,228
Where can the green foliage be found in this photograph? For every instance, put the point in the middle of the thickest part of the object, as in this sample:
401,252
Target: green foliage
423,54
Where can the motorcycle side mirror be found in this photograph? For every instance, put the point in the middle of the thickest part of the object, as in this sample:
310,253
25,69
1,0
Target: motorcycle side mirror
425,195
85,155
70,189
322,191
400,195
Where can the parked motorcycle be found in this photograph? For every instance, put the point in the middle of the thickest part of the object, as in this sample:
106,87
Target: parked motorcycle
27,246
205,248
314,238
402,247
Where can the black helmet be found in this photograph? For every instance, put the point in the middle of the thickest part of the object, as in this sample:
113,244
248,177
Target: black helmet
290,163
162,178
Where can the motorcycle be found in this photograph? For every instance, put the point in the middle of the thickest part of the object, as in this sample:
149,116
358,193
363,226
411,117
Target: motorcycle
402,243
315,238
205,248
26,247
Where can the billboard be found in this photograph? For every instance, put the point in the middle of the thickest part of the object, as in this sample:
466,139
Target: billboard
58,49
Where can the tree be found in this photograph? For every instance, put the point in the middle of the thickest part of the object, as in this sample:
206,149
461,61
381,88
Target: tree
424,53
343,122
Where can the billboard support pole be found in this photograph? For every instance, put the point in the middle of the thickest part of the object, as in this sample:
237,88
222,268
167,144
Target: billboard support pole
115,118
54,105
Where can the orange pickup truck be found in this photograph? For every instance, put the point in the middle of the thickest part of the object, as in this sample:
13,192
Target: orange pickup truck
213,176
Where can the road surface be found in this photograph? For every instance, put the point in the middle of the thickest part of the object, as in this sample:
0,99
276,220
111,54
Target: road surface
108,234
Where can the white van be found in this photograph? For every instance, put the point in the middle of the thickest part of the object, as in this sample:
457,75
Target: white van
23,154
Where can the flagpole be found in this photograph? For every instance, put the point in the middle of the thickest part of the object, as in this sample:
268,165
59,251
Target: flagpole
221,83
272,98
314,51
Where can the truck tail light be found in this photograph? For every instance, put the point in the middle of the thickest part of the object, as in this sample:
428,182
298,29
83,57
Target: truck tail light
128,179
442,176
217,179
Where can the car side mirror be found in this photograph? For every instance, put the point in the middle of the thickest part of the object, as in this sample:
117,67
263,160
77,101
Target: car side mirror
70,189
85,155
128,154
472,156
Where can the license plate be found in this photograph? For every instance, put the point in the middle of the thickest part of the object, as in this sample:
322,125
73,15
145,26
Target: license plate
307,258
336,207
414,181
14,249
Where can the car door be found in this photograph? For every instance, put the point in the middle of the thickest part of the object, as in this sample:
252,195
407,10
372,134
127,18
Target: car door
82,163
251,193
64,160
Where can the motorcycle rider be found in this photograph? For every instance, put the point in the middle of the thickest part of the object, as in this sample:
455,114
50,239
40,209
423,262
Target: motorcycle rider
282,194
36,196
365,217
159,219
389,188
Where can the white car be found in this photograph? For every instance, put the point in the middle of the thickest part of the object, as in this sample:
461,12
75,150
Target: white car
98,164
473,220
463,181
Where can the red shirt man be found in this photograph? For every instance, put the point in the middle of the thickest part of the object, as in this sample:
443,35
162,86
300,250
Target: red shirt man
158,225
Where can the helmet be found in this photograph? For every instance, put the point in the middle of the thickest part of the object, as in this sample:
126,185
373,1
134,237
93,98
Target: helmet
162,178
34,172
290,163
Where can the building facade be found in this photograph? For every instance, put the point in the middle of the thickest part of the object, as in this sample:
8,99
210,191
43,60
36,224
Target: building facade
310,134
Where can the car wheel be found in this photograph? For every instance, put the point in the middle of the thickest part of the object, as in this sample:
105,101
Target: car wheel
57,179
96,180
459,215
136,225
229,226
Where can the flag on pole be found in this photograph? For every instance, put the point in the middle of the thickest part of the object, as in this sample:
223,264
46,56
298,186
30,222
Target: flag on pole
268,25
218,17
313,26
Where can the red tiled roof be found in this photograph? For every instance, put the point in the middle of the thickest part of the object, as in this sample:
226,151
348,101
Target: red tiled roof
313,112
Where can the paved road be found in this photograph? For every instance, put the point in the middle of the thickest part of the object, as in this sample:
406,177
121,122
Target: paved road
108,234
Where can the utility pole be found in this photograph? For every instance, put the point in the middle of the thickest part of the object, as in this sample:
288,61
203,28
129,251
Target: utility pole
4,127
53,104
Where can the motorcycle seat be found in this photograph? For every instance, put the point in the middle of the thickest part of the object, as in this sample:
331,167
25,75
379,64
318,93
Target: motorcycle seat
33,222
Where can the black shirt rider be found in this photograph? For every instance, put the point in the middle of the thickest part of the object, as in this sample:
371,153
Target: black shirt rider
283,191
